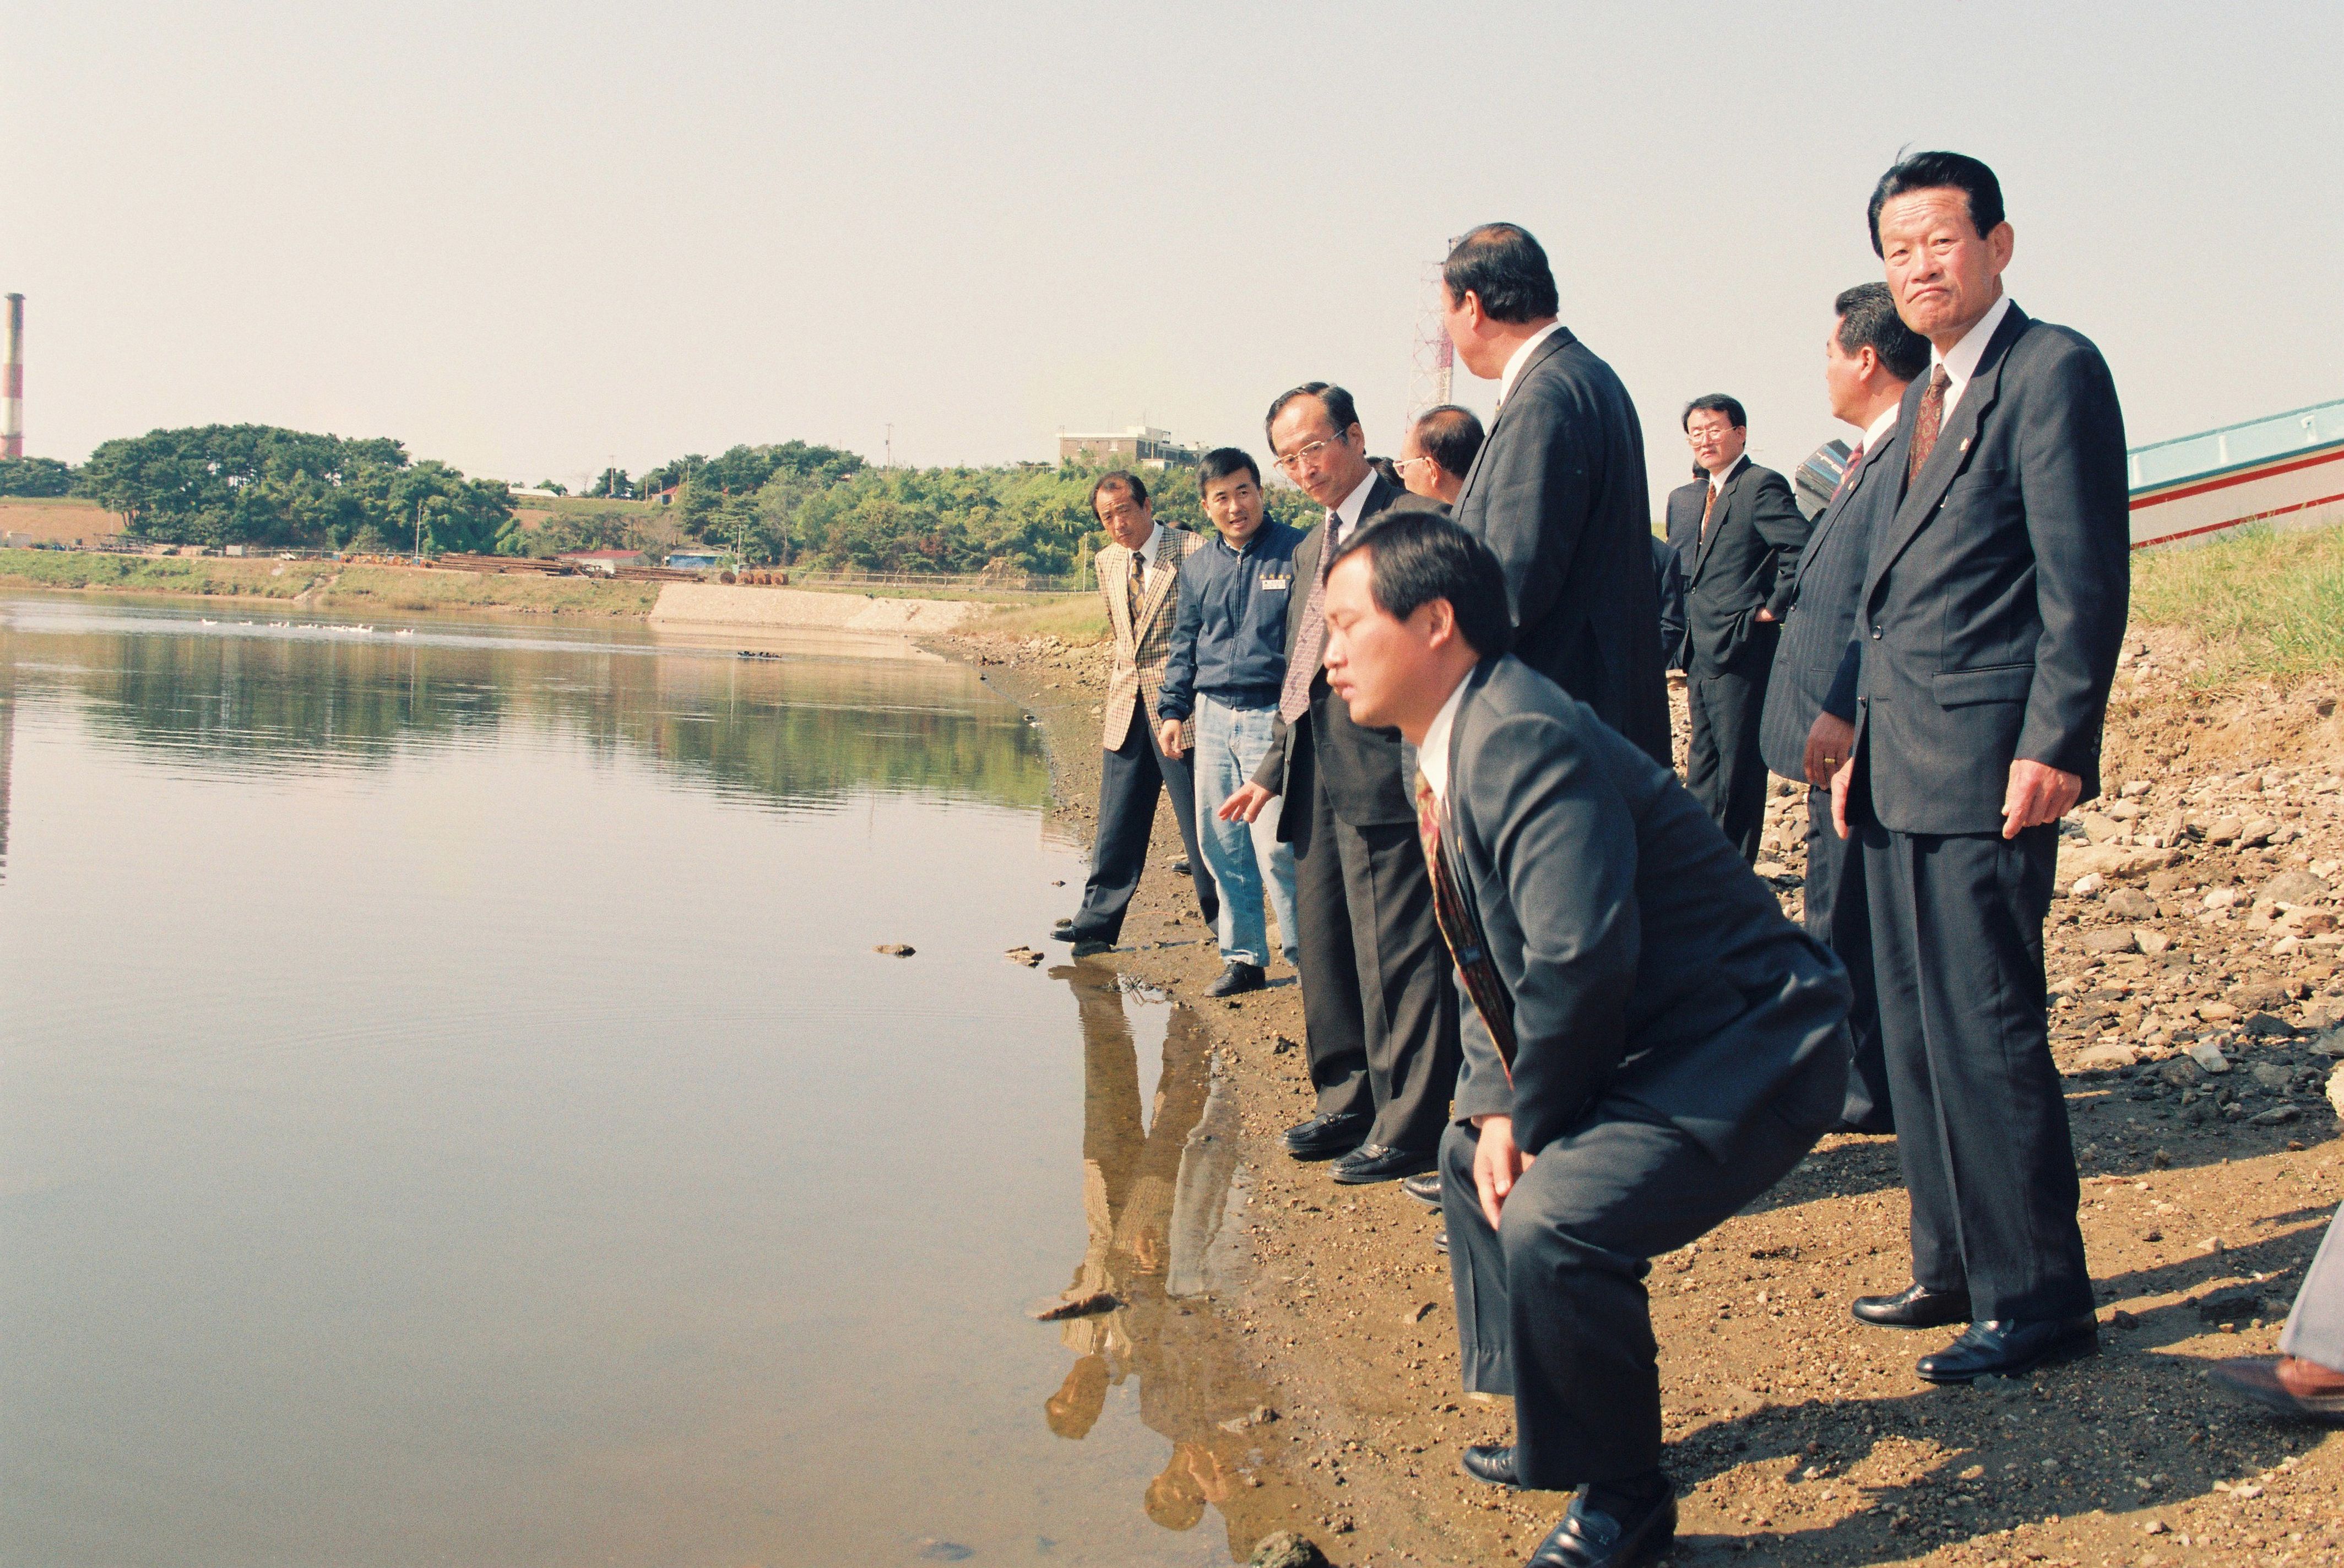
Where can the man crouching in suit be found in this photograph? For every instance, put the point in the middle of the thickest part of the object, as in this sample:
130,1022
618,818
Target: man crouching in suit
1649,1044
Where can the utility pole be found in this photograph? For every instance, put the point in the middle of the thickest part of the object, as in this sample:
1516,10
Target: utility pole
890,447
419,527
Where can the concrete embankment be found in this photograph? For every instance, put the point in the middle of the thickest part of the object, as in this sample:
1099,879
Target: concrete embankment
797,617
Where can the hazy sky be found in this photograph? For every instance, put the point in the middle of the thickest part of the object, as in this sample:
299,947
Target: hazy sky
530,238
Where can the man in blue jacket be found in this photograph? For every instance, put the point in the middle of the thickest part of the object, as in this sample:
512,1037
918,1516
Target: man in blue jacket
1226,667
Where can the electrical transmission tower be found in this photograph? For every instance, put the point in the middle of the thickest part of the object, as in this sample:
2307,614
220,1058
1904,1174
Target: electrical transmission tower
1433,358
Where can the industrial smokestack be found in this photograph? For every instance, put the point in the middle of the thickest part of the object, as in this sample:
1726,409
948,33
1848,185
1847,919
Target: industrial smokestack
12,384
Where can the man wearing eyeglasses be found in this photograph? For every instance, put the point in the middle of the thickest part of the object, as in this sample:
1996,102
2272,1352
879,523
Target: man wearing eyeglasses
1438,452
1558,493
1380,1017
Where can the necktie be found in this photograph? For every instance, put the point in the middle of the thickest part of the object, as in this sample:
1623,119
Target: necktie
1135,590
1462,933
1926,423
1310,638
1707,506
1848,474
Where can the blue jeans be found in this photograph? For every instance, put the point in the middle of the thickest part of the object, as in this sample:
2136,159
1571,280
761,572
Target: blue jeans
1247,861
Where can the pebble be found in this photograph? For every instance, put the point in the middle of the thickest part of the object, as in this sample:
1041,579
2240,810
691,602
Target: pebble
895,949
2208,1056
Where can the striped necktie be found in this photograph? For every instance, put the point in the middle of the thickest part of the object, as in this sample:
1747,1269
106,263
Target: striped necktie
1462,933
1310,637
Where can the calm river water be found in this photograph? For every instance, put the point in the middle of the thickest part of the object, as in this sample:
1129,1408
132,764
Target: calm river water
450,1111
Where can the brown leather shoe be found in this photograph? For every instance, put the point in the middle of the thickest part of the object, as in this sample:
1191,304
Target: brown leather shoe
2287,1384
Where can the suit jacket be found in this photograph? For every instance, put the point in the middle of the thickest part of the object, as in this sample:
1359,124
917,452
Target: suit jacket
1557,493
1744,563
1645,961
1668,576
1994,607
1136,661
1822,617
1360,767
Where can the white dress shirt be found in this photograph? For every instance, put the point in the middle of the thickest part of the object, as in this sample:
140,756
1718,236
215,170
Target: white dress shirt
1432,757
1963,362
1345,516
1877,431
1151,551
1521,356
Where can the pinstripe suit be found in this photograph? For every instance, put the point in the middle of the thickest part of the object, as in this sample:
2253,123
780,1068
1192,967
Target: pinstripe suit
1133,769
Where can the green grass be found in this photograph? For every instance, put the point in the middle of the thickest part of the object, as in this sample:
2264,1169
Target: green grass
2264,602
1072,618
154,574
389,588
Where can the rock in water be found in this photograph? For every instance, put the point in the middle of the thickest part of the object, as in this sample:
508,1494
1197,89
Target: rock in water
1286,1550
1080,1307
895,949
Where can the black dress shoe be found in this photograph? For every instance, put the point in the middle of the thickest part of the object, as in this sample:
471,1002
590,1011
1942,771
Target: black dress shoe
1063,931
1085,947
1180,867
1237,977
1913,1307
2003,1348
1440,1243
1326,1136
1381,1162
1593,1536
1493,1462
1425,1188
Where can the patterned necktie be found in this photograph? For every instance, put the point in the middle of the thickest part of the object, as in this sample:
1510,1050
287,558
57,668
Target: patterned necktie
1926,423
1310,638
1135,590
1707,507
1848,474
1462,933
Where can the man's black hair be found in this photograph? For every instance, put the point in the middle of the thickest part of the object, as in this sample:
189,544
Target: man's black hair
1449,436
1503,265
1341,413
1223,461
1868,319
1940,171
1418,556
1123,480
1716,403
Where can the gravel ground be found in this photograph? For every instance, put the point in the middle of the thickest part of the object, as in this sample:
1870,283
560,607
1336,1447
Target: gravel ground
2196,1013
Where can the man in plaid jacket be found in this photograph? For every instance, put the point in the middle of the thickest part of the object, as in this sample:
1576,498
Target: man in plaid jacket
1138,577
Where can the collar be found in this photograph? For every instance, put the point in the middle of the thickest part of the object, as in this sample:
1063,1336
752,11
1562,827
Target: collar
1963,362
1877,432
1153,550
1347,515
1718,482
1432,757
1521,356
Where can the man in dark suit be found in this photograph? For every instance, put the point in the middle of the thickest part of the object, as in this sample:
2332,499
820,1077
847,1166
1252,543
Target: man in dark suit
1870,356
1139,584
1650,1045
1739,532
1379,1020
1988,629
1558,493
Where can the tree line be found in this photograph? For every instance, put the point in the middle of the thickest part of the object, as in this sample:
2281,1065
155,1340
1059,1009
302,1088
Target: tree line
791,503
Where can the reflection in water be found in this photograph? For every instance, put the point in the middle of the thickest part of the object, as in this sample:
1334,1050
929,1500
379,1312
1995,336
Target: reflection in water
262,698
1155,1190
7,752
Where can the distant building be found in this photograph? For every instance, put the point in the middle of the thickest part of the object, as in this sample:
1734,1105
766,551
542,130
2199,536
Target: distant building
1144,446
696,559
603,560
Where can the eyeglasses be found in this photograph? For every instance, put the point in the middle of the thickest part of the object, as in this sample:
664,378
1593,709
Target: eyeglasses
1309,454
1404,464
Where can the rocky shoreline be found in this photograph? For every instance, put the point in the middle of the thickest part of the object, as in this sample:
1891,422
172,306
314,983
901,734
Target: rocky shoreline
2198,986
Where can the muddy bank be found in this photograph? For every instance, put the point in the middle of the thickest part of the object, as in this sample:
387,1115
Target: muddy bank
1797,1436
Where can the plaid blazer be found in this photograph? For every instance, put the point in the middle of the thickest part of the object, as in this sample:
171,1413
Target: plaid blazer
1136,664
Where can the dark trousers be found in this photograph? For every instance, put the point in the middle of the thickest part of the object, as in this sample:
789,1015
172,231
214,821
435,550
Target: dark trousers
1838,916
1379,1016
1551,1305
1981,1124
1130,778
1723,767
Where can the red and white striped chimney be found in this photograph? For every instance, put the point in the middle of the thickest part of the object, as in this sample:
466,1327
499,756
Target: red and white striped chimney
12,384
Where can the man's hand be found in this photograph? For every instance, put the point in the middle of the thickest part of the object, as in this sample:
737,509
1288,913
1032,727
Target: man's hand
1167,738
1764,617
1831,740
1247,804
1840,781
2037,795
1497,1163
